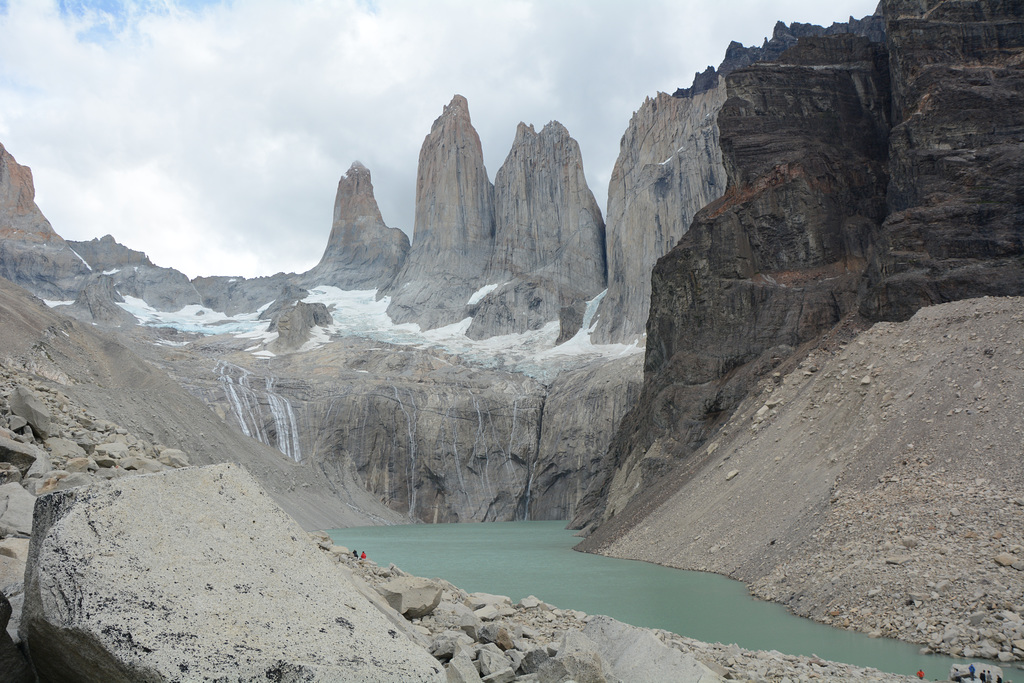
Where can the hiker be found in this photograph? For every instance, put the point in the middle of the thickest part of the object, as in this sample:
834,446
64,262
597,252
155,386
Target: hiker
363,556
355,554
920,674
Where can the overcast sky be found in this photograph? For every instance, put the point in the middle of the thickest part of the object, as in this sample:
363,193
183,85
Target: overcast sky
212,135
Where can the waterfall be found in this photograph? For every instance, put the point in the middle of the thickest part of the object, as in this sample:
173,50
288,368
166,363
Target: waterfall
247,407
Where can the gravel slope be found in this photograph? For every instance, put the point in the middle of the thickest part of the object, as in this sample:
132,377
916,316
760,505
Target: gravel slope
879,486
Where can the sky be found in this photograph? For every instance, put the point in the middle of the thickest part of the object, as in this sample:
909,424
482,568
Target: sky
211,134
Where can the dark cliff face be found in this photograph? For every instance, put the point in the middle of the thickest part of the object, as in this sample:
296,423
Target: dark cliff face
862,179
956,224
774,262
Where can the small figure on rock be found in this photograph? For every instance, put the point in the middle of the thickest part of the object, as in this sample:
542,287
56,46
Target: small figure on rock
355,554
363,555
920,674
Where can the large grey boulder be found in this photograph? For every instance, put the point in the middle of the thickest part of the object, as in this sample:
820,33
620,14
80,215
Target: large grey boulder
16,509
636,654
27,404
196,573
411,596
21,455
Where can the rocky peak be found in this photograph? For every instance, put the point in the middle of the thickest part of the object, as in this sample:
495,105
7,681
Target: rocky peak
31,253
669,167
549,235
453,230
362,252
105,253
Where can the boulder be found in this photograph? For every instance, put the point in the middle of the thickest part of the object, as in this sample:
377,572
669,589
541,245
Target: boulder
21,455
141,464
27,404
114,449
578,659
411,596
475,601
196,572
64,449
172,457
83,464
636,654
14,668
16,509
462,670
9,474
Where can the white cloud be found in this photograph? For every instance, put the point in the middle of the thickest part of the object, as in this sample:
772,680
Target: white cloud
213,138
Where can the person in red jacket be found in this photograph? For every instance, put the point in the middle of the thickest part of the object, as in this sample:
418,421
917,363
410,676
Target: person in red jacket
363,556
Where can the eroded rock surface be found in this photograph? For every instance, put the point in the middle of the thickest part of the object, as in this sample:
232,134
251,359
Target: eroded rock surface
186,579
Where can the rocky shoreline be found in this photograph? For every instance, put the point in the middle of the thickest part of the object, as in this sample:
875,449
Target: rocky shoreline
506,641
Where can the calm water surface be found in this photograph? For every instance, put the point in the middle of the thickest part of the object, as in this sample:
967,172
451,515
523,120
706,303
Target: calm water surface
536,558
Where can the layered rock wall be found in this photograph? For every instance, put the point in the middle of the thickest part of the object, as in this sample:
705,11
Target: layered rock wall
669,167
956,217
775,262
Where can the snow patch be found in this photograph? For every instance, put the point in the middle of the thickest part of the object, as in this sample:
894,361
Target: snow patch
112,271
81,259
481,293
53,303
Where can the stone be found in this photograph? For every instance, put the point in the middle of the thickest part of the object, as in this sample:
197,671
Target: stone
83,464
172,457
27,404
636,654
141,464
9,474
1004,559
533,660
64,449
471,625
445,645
411,596
497,634
113,449
475,601
21,455
16,508
732,474
529,602
209,533
462,670
490,659
506,675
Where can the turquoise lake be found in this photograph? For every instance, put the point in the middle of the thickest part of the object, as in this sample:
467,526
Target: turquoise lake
536,558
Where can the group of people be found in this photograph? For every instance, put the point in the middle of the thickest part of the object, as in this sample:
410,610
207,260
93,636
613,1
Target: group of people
355,554
973,674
